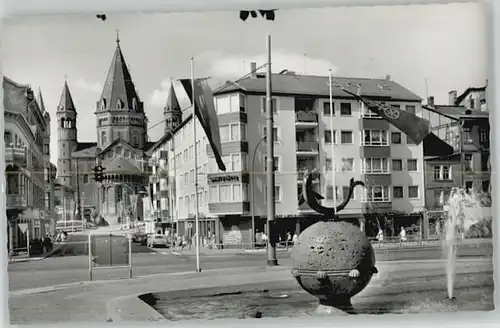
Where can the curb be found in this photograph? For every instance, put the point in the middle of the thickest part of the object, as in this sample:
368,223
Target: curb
132,308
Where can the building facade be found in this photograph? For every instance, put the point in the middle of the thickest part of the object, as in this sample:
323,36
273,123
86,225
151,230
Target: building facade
467,132
29,173
366,148
121,146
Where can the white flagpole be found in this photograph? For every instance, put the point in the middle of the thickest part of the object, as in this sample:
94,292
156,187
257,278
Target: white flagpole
197,218
334,135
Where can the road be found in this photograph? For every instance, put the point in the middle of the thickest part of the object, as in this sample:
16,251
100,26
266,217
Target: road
71,269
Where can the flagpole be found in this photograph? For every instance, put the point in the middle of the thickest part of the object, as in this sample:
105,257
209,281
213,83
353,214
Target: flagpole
271,247
334,135
197,218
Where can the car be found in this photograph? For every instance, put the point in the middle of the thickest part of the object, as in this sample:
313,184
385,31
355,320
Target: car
139,238
157,240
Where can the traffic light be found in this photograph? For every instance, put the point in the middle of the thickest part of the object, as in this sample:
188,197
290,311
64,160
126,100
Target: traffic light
98,173
267,14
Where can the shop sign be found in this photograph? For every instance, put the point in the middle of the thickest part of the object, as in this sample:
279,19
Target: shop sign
225,179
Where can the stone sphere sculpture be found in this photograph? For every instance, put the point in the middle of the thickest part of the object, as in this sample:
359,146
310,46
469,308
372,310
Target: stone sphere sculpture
332,260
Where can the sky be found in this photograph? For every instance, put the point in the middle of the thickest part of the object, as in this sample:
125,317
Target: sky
445,45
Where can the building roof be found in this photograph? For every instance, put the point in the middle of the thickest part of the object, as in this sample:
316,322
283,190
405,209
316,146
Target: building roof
119,86
457,112
120,165
309,85
85,150
172,102
450,157
41,102
66,102
466,93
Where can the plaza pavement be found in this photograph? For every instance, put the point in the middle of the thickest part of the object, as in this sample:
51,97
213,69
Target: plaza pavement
103,300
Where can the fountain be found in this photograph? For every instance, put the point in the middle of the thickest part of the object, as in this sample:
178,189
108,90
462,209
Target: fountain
462,211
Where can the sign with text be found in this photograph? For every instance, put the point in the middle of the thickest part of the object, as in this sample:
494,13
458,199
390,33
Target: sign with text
224,179
110,250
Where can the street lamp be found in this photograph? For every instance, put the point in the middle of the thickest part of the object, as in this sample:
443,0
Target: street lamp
252,204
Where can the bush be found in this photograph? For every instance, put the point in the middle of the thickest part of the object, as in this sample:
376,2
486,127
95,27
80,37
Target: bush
482,229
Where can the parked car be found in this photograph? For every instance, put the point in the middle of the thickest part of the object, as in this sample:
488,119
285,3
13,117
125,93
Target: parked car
157,240
139,238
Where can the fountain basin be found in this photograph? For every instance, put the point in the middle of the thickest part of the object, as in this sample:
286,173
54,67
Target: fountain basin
400,295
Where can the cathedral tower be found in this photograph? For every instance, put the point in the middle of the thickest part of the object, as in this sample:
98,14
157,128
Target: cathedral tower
66,136
172,111
120,112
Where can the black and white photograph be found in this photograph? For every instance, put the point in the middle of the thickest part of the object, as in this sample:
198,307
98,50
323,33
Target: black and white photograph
248,164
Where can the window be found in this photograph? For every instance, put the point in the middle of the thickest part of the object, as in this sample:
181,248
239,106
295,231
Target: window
214,195
277,194
273,104
396,138
347,164
328,136
326,108
485,185
232,132
346,137
397,192
374,138
468,185
484,137
375,165
397,165
85,178
276,163
345,109
442,172
468,163
225,193
467,136
413,192
411,109
236,193
186,179
191,176
243,101
235,132
376,194
411,165
366,112
275,133
485,161
104,138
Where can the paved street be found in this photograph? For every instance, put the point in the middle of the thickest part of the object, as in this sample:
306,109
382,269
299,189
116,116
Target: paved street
70,269
90,302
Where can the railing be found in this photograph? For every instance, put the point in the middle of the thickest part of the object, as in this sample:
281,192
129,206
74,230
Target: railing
375,171
15,153
307,146
306,117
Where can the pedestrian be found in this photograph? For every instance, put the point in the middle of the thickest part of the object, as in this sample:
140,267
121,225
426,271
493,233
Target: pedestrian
294,239
402,234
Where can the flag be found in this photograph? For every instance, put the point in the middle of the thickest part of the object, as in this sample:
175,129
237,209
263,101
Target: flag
204,109
414,127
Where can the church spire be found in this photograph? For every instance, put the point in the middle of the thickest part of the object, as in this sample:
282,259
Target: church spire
66,102
119,89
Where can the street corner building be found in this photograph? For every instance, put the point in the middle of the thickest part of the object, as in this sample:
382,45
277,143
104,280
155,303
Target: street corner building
365,147
29,174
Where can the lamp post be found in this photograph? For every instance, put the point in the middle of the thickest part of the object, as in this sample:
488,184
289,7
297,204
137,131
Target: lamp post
252,205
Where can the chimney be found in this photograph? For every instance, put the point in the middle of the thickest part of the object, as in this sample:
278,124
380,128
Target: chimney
388,77
253,70
452,97
430,101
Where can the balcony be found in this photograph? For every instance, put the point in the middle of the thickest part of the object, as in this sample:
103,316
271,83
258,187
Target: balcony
229,208
15,156
306,120
16,201
307,148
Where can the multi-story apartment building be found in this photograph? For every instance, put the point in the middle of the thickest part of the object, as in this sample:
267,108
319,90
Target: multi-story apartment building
29,173
467,162
366,148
